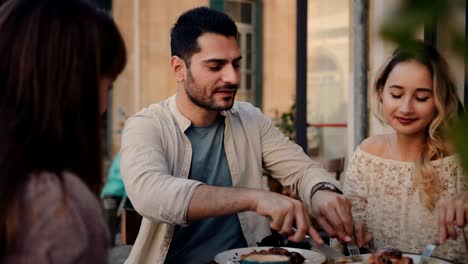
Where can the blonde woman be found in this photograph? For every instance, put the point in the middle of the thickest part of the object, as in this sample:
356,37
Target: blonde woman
407,187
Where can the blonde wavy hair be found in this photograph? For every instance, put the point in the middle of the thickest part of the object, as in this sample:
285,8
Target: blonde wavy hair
447,105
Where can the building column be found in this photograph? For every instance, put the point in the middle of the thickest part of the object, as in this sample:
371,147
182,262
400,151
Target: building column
361,68
301,74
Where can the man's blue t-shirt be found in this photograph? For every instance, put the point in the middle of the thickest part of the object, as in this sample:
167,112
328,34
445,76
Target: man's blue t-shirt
202,240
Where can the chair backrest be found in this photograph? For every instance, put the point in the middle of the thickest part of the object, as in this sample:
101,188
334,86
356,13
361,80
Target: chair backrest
130,222
335,165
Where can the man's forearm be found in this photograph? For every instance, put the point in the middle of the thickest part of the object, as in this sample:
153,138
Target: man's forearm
209,201
283,211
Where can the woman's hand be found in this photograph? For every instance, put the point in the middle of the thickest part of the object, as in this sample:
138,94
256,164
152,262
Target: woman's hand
452,212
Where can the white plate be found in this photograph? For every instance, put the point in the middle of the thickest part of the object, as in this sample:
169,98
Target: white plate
233,256
415,258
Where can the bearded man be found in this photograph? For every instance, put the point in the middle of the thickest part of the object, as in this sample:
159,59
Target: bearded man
193,164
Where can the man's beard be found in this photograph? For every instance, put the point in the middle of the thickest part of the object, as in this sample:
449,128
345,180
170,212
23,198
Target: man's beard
195,94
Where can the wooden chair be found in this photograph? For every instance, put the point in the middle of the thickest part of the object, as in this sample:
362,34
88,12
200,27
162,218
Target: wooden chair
130,222
334,165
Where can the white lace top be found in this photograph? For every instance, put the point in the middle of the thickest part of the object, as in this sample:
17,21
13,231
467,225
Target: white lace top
384,198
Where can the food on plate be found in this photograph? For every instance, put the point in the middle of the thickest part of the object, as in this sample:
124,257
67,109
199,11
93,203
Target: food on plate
294,257
348,259
277,240
389,256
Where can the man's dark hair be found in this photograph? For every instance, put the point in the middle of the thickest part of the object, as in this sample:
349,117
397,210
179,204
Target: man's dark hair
192,24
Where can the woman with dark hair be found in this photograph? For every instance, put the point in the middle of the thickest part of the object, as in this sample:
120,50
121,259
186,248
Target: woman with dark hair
58,59
407,187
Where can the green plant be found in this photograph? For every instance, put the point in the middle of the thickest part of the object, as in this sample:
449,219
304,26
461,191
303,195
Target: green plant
285,122
459,137
411,17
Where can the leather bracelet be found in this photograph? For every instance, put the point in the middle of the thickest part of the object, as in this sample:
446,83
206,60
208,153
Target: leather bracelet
324,186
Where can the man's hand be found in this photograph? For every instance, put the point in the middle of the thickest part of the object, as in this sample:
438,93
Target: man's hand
211,201
333,213
286,191
283,212
452,212
363,237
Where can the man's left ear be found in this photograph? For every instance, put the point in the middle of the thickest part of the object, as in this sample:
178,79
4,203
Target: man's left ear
179,68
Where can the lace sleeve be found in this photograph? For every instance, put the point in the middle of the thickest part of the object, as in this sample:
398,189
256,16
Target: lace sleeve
355,186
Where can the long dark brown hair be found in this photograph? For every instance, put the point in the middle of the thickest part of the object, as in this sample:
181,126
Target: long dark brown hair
52,55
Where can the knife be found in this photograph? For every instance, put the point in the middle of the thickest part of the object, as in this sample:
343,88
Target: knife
324,248
427,252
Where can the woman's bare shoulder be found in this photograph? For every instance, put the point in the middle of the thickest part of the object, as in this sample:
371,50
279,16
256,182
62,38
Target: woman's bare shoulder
375,145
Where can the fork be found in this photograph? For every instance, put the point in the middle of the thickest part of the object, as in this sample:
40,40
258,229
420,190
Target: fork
352,247
427,252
